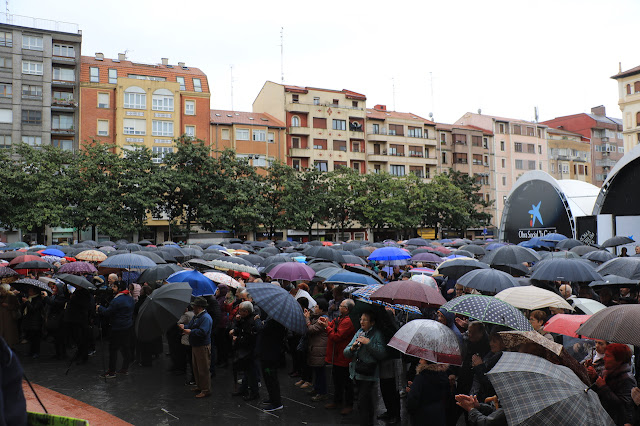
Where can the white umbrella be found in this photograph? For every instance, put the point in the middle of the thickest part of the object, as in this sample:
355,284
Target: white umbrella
306,295
588,306
531,298
425,279
220,278
428,339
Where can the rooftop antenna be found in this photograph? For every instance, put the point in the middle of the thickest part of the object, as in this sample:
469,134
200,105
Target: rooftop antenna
6,6
535,113
282,55
231,87
125,53
393,86
432,100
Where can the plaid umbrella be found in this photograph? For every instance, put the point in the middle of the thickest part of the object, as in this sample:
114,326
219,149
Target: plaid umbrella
279,305
77,268
23,283
619,324
533,391
292,271
221,278
532,298
161,309
410,293
428,339
490,310
91,256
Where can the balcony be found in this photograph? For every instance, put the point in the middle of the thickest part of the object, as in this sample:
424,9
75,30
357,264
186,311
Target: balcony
63,132
300,152
298,130
63,105
63,60
380,158
303,106
62,83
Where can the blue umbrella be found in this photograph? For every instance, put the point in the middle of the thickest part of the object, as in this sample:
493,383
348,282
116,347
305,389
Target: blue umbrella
200,285
553,238
536,242
279,305
390,255
494,246
53,252
128,261
351,278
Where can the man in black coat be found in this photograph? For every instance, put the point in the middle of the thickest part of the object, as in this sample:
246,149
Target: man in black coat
269,346
33,319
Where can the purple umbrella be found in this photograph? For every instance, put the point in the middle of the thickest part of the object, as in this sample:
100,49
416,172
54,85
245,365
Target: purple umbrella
291,271
426,257
77,268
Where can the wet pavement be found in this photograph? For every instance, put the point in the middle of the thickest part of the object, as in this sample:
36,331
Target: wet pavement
153,396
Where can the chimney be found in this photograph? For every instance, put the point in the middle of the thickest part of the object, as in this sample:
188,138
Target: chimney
181,64
122,56
99,56
619,66
599,111
165,61
380,107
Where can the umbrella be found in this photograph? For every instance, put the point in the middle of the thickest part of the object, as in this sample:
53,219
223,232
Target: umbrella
77,268
618,240
417,242
200,285
571,270
619,324
587,306
305,295
517,270
23,283
354,260
349,278
510,255
461,253
364,294
326,253
455,268
76,281
582,250
559,255
158,273
253,259
221,278
554,238
488,309
566,325
598,256
409,293
384,321
362,270
425,279
279,305
156,258
106,243
426,257
53,252
532,298
569,243
360,252
24,258
33,264
390,256
534,391
17,245
7,272
489,280
614,280
161,309
91,256
628,267
238,260
145,242
223,264
494,246
292,271
268,251
474,249
428,339
127,261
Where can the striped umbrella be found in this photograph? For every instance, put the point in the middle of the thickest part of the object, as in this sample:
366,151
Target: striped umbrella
619,324
91,256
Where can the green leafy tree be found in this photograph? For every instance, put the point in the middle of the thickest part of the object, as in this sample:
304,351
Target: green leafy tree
376,205
345,186
310,196
444,204
278,201
475,200
409,202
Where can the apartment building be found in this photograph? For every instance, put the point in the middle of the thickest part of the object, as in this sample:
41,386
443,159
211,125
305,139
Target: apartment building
400,143
39,82
325,128
258,137
468,149
607,137
519,146
629,102
133,104
569,155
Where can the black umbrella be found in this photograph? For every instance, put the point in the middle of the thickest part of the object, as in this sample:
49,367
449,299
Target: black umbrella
76,281
417,242
489,280
349,258
159,273
473,248
238,260
509,255
260,244
274,260
569,243
326,253
144,242
464,253
628,267
253,259
320,266
517,270
153,256
7,272
212,256
384,323
9,255
168,258
614,280
559,255
106,243
600,256
618,240
455,268
33,264
360,252
161,309
284,244
23,283
571,270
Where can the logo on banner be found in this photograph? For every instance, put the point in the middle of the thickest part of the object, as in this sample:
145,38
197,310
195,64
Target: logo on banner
535,215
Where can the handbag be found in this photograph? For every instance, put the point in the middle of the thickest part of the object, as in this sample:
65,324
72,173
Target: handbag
365,368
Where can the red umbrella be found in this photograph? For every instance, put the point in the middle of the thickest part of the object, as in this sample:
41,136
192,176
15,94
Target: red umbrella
21,259
565,324
443,250
409,293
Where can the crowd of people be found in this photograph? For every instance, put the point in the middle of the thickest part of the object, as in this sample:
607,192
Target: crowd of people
342,361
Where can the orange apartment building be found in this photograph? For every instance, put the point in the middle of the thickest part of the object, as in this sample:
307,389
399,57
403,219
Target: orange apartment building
259,137
132,104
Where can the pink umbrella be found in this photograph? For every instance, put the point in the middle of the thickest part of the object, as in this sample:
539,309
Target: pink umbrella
409,293
77,268
292,271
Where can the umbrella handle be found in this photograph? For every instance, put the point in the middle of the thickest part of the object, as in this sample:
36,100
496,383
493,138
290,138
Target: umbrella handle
590,387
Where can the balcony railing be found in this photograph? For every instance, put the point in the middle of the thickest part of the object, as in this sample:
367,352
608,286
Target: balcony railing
331,105
43,24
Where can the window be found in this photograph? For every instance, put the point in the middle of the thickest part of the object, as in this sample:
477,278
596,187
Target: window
553,168
62,122
5,89
6,62
31,67
319,144
355,147
162,100
181,81
415,151
271,137
190,107
162,128
159,152
64,50
354,104
103,128
356,166
530,131
63,144
504,181
339,124
319,123
459,139
5,141
103,100
501,128
31,42
6,116
58,95
531,164
31,116
113,76
396,170
519,165
6,39
628,89
225,134
190,131
501,145
340,146
295,142
444,158
531,148
32,140
415,132
517,129
321,166
295,98
135,98
396,129
242,134
396,150
485,143
32,92
260,135
417,170
295,121
64,74
476,141
377,169
517,147
504,163
376,129
135,127
295,163
636,87
443,138
94,75
477,159
335,102
197,85
316,100
260,161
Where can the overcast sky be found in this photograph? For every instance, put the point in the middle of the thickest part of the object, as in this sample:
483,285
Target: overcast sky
502,56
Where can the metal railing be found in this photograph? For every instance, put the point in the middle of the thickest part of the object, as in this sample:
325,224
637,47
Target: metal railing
39,23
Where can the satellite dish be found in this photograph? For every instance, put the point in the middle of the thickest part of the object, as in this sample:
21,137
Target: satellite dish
430,115
479,111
